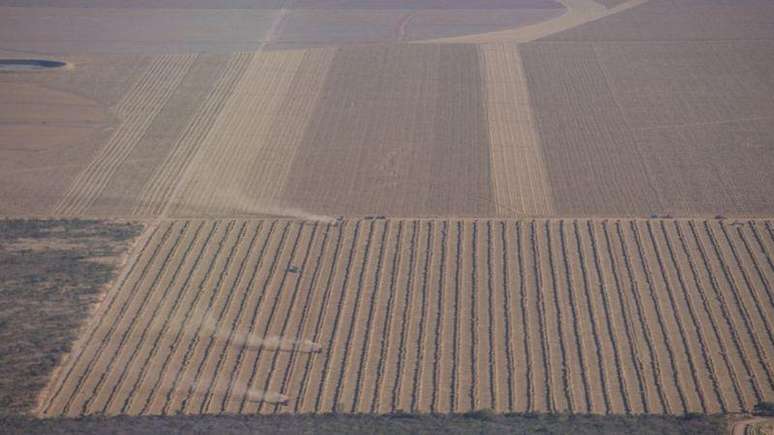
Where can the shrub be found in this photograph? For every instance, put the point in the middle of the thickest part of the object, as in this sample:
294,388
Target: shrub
765,409
485,414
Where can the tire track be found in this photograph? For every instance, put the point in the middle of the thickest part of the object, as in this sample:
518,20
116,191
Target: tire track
158,190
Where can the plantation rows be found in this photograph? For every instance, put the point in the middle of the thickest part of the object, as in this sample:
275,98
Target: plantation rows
374,315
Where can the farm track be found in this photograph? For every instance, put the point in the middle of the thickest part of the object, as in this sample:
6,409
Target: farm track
577,315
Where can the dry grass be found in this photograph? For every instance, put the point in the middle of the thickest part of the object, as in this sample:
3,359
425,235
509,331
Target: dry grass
52,273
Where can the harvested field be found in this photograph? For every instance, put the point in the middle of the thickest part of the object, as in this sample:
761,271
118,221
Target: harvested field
685,20
256,134
136,111
265,316
406,135
245,158
184,115
519,180
592,159
664,128
44,143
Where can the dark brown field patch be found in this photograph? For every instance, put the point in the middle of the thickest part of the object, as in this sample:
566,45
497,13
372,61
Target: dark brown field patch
685,20
399,130
658,128
592,158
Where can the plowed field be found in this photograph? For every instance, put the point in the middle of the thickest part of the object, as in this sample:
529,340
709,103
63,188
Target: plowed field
600,316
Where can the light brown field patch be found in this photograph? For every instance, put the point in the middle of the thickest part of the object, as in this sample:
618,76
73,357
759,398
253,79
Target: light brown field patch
245,158
46,137
519,179
584,316
136,112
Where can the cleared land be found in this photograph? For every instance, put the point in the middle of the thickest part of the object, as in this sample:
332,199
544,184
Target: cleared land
245,159
666,128
400,131
67,27
136,110
52,273
340,221
585,316
397,130
519,181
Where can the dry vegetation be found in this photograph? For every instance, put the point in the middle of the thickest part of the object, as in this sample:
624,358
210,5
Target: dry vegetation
581,316
51,274
481,422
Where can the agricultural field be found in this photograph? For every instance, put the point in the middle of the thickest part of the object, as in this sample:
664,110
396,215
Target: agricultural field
380,316
512,212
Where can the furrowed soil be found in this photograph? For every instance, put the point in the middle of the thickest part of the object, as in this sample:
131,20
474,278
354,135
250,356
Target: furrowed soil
401,209
382,316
